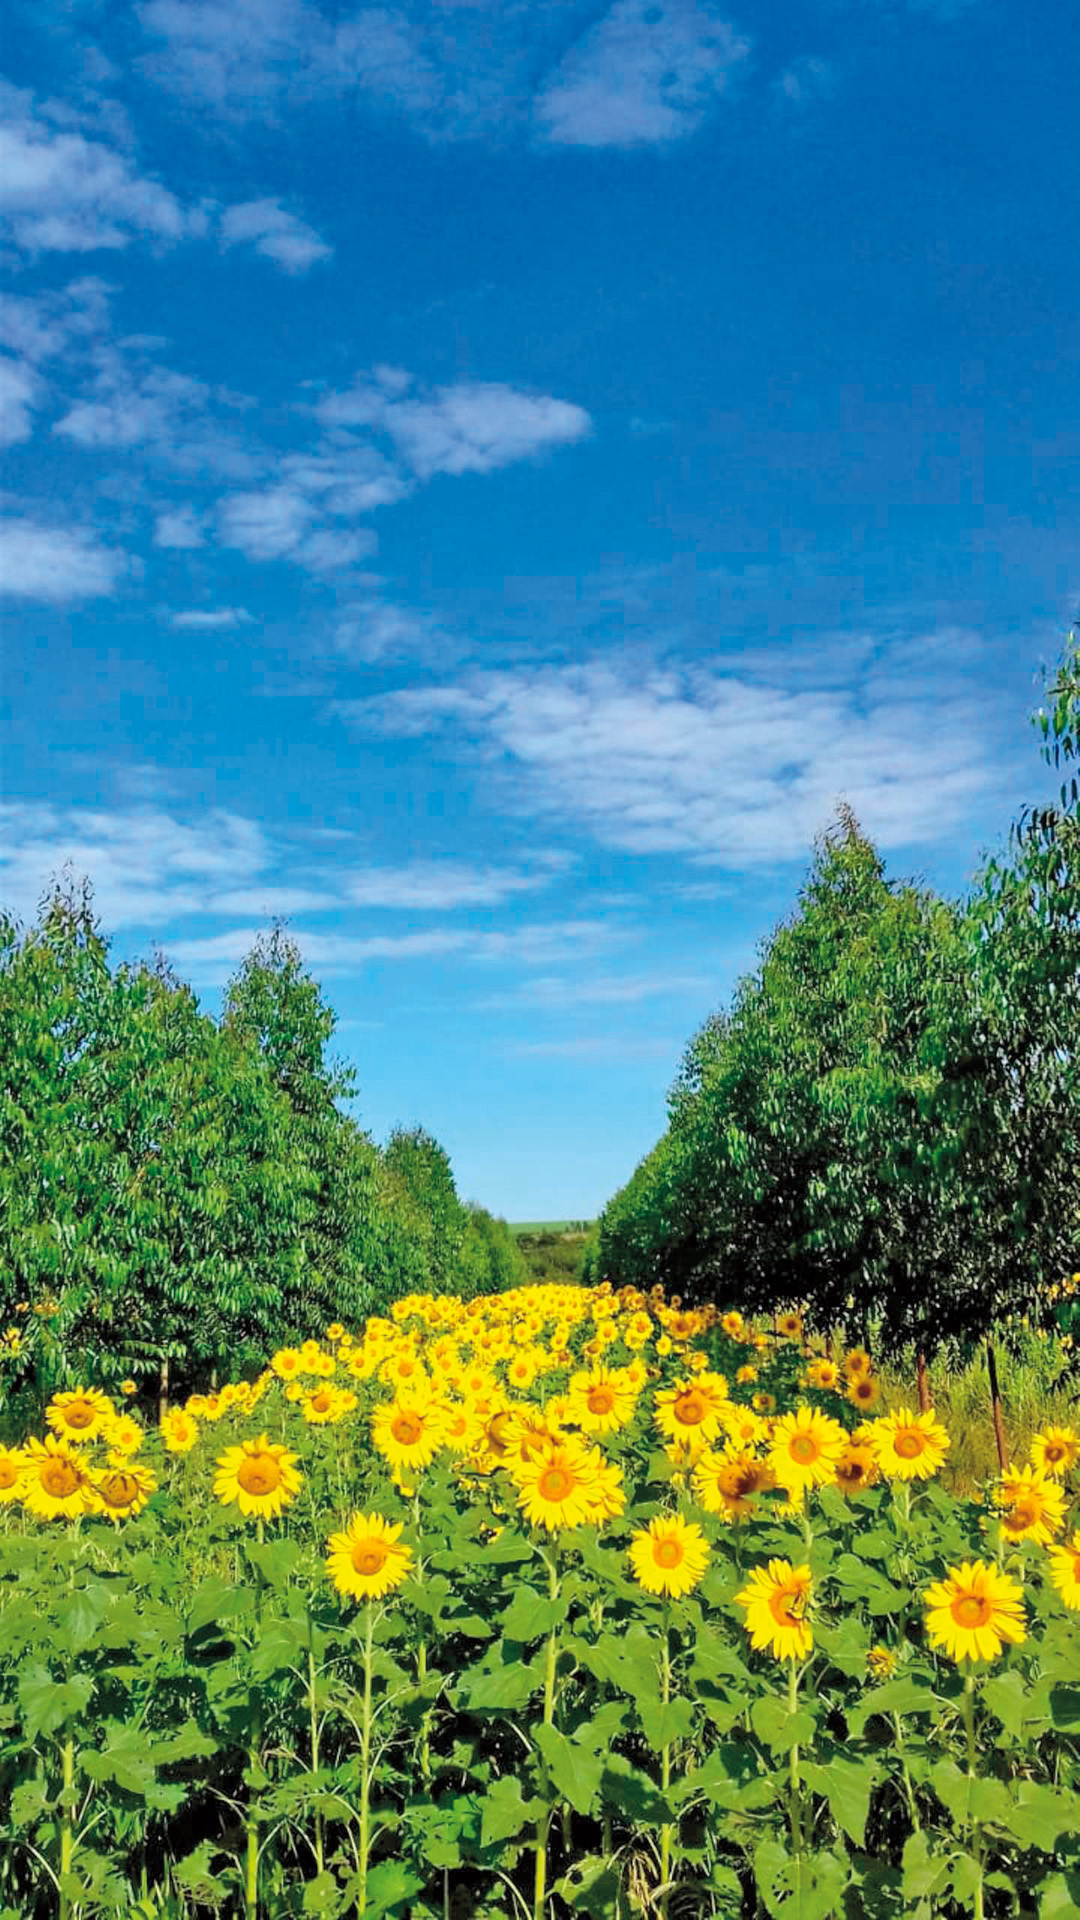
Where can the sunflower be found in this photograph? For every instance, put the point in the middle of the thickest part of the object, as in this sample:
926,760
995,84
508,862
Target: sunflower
789,1325
325,1405
1031,1506
823,1374
56,1482
974,1611
287,1363
463,1428
179,1431
745,1376
12,1467
558,1487
733,1324
123,1435
775,1602
1055,1451
335,1331
857,1467
863,1390
609,1496
693,1406
881,1663
669,1556
909,1446
856,1363
128,1387
806,1446
764,1403
122,1491
1065,1571
367,1560
79,1416
601,1401
259,1475
408,1431
729,1484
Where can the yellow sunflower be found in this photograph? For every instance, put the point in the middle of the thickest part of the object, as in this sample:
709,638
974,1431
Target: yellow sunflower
12,1466
974,1611
790,1326
122,1491
259,1476
123,1435
856,1363
909,1446
1055,1451
806,1446
287,1363
79,1416
733,1324
1065,1571
1031,1506
775,1602
325,1405
864,1391
881,1663
609,1494
728,1485
557,1487
823,1374
179,1431
669,1556
745,1376
56,1482
601,1401
367,1560
692,1407
857,1467
408,1431
128,1387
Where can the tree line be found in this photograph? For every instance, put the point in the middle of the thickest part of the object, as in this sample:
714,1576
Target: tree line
179,1194
885,1122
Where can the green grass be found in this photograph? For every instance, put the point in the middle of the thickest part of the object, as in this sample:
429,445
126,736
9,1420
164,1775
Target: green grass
1036,1391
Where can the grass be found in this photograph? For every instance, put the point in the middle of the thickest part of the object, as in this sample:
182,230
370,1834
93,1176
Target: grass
1037,1391
577,1228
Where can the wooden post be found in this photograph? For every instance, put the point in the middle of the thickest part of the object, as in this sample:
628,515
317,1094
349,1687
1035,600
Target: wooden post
995,1402
922,1382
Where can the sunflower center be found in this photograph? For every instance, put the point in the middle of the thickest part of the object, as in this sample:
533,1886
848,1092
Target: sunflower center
79,1414
407,1428
8,1474
260,1474
804,1449
971,1610
321,1401
1023,1514
668,1553
120,1490
864,1390
910,1443
782,1607
60,1478
555,1483
369,1557
690,1409
1053,1451
600,1400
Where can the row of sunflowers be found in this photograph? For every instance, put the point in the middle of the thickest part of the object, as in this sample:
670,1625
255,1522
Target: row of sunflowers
559,1601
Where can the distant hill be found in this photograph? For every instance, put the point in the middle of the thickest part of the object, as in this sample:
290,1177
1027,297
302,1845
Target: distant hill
553,1250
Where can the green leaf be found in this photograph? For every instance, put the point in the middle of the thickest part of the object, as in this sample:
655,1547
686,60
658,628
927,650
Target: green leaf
1044,1815
575,1772
390,1883
847,1785
47,1703
591,1886
506,1811
531,1615
778,1727
808,1888
969,1797
1059,1898
925,1873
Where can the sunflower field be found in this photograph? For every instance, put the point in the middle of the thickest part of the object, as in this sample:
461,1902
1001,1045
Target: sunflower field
561,1601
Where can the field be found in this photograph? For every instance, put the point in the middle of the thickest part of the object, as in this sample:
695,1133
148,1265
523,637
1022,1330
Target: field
553,1602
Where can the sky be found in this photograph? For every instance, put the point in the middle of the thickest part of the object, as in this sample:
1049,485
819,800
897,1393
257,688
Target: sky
482,482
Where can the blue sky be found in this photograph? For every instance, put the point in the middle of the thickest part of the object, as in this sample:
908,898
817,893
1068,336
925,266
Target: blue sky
482,481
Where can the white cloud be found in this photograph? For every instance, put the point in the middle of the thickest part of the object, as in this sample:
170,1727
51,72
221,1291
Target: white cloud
209,961
471,427
805,81
179,527
145,864
273,231
134,403
56,564
19,388
63,192
437,885
731,770
642,75
265,526
205,619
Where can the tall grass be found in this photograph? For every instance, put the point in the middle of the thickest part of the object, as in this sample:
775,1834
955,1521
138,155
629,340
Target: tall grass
1039,1384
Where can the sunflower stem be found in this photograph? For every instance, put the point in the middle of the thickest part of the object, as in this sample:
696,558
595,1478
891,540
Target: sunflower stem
365,1769
974,1829
314,1715
67,1823
550,1670
796,1787
251,1867
665,1766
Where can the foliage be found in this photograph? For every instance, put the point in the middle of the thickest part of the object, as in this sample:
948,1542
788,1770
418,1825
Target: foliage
199,1720
886,1121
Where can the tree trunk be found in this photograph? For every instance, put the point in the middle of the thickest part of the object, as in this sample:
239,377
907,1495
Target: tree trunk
163,1389
995,1402
922,1381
